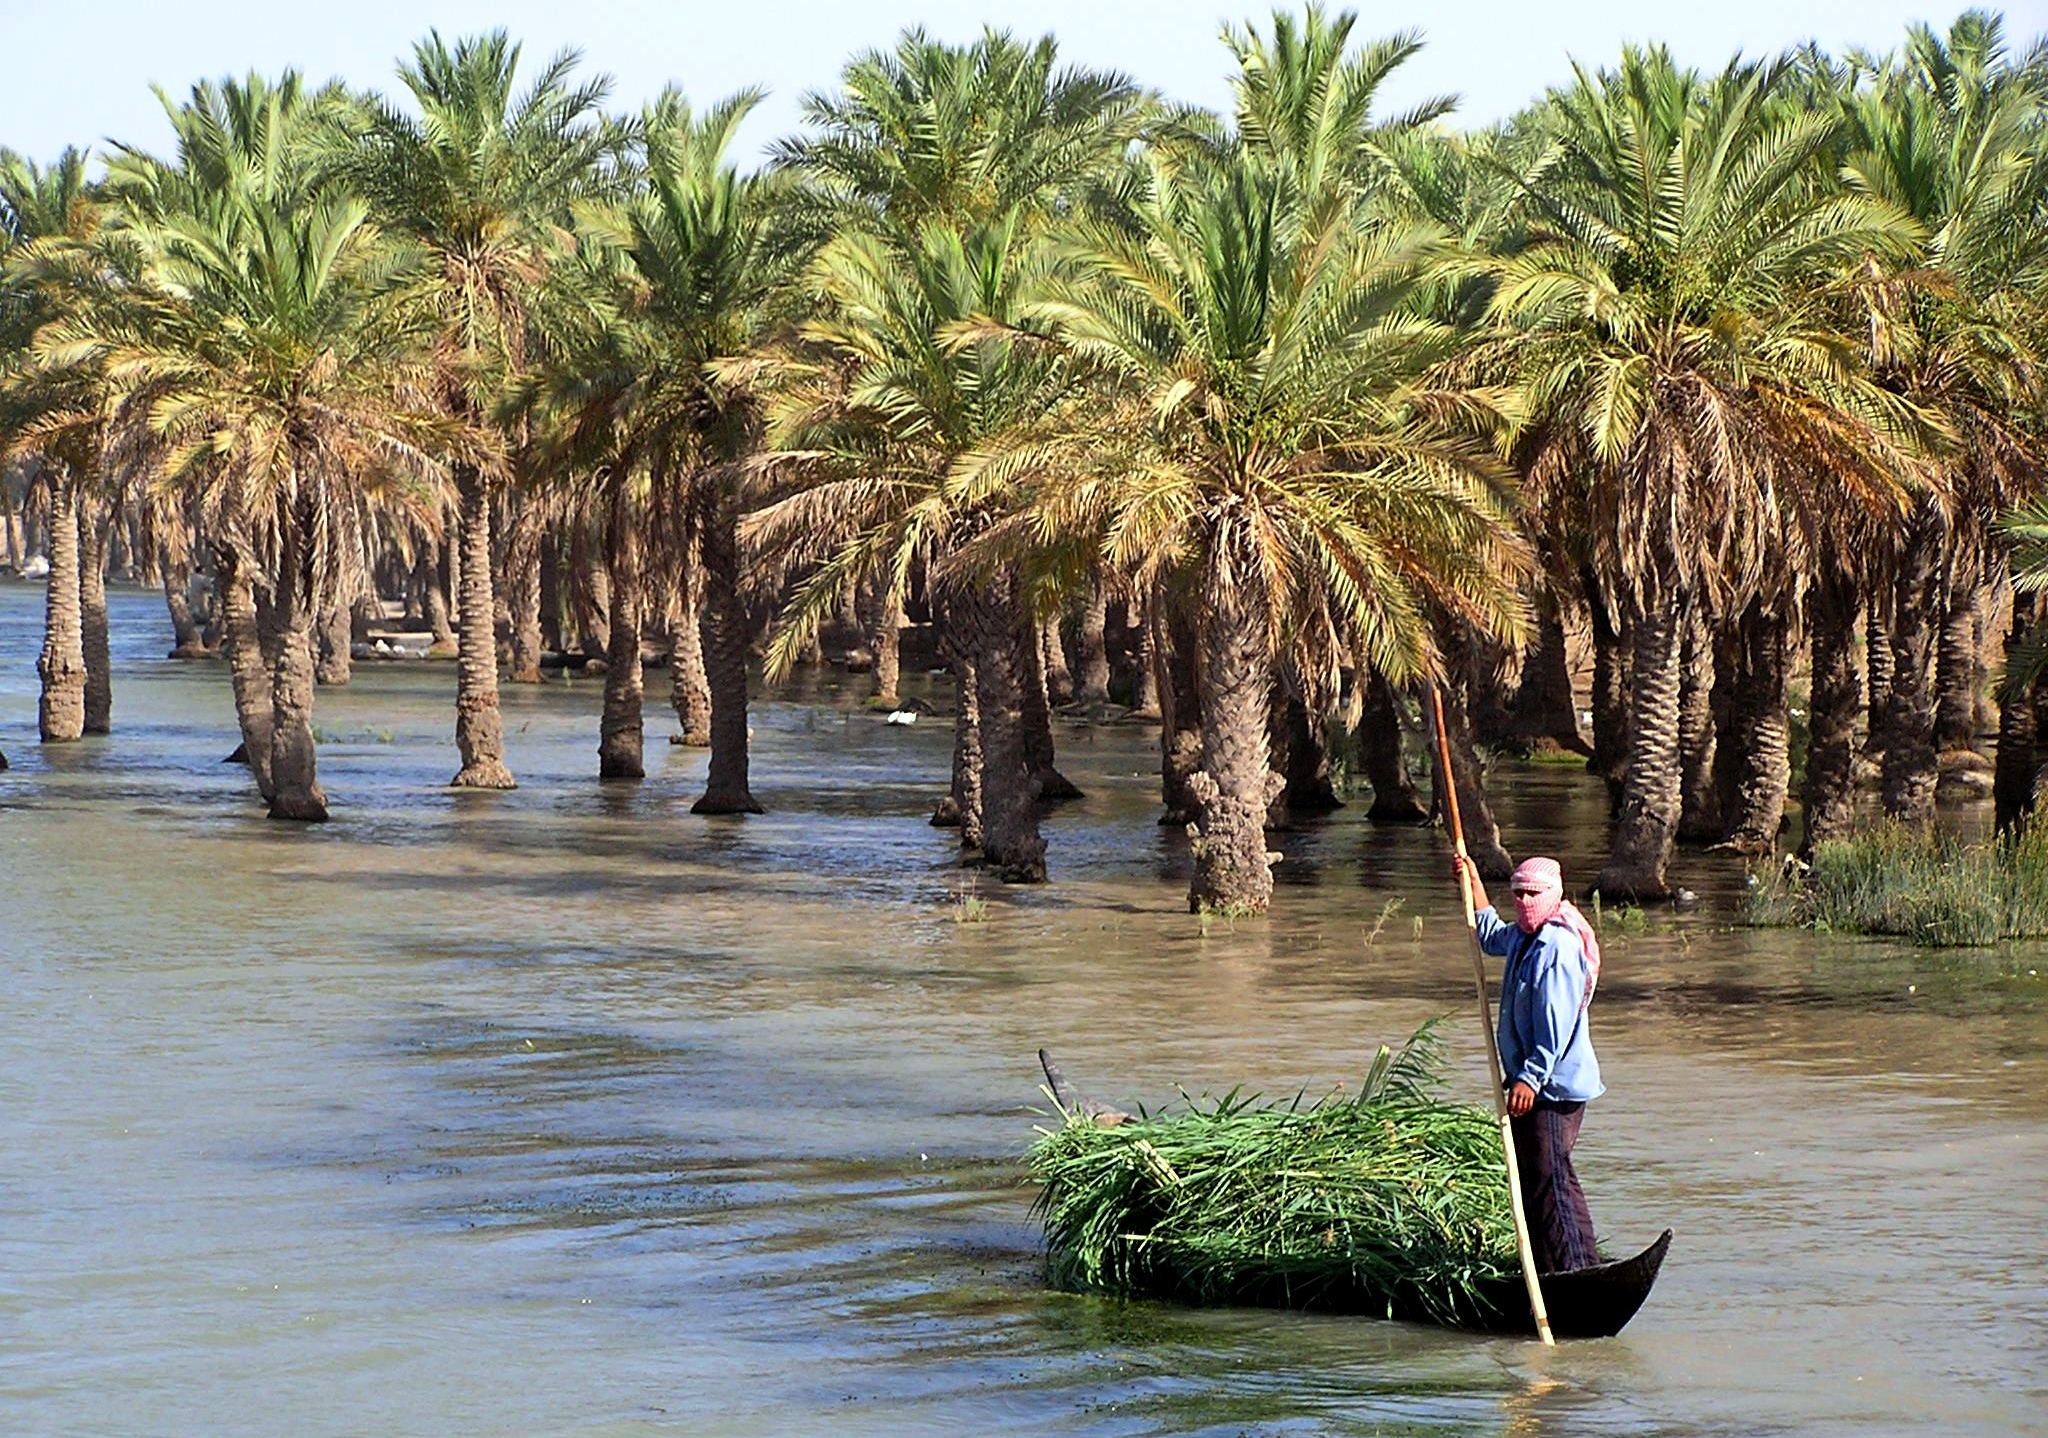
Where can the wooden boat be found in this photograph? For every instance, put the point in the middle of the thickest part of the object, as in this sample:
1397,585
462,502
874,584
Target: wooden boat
1592,1302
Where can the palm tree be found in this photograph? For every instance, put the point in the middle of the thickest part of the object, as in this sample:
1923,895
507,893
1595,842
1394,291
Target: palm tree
53,419
1280,442
656,394
276,352
1685,388
482,181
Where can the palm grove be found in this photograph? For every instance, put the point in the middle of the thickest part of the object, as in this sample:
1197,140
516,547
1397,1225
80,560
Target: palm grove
1269,418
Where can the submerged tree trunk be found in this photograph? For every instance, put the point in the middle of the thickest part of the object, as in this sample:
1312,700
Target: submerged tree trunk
288,645
1302,758
1059,679
724,631
620,753
885,642
1704,678
479,728
1094,675
434,601
1235,783
60,712
333,668
248,670
1051,785
961,808
1834,706
1910,767
1647,826
1877,661
1394,798
1145,677
94,524
1180,711
689,687
2013,780
1545,713
187,642
522,596
999,635
1482,830
1759,732
1609,759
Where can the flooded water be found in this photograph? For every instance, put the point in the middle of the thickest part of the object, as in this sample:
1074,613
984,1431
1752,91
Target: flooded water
562,1111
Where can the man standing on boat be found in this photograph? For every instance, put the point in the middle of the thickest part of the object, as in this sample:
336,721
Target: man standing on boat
1546,1050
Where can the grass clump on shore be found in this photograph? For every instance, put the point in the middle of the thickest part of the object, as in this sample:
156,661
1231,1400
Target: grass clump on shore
1388,1200
1900,881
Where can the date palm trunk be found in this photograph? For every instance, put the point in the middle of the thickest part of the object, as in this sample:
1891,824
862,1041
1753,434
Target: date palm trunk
1302,759
1093,680
479,727
1646,828
1956,666
60,711
1877,667
1059,678
1705,677
885,642
94,525
1000,637
1051,786
1545,713
1394,797
724,632
1910,766
1145,679
621,737
241,642
289,646
333,669
961,808
1235,783
2013,779
433,593
1760,728
522,596
1834,707
1180,710
187,642
689,687
1482,830
1609,758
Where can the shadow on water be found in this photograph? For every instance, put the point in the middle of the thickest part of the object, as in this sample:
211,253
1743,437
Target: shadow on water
562,1110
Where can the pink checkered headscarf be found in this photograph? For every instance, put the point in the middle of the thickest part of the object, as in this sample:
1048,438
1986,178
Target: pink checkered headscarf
1549,905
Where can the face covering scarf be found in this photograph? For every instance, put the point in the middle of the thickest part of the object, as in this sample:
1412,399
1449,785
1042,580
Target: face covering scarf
1547,904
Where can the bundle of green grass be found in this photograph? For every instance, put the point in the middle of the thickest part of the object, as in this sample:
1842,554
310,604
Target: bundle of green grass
1390,1200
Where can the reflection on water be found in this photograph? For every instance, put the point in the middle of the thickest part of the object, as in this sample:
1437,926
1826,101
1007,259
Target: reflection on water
561,1111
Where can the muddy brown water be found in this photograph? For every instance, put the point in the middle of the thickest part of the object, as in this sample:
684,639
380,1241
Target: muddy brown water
561,1111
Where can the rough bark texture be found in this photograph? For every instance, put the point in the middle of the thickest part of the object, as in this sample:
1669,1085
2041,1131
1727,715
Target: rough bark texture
187,642
1051,785
1093,680
620,734
885,641
1394,799
592,582
1059,679
288,645
1145,680
1877,661
1180,712
93,526
1835,706
1956,667
1302,759
248,672
1489,696
1001,638
961,808
522,598
725,637
479,729
2012,785
333,668
1647,826
1910,766
689,687
1761,730
1610,689
1475,811
1699,686
434,601
1545,711
60,712
1235,784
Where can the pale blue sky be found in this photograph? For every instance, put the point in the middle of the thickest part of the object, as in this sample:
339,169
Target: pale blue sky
79,71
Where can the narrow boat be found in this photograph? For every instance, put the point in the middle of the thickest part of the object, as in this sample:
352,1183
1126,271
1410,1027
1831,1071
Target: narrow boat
1592,1302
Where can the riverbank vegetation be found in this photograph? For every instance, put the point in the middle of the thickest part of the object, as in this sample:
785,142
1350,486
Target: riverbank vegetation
1934,890
1245,424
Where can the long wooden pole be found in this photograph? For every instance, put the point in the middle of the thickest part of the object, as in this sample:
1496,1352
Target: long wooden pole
1500,1098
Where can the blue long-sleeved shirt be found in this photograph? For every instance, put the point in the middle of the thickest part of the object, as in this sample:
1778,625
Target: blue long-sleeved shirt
1544,1038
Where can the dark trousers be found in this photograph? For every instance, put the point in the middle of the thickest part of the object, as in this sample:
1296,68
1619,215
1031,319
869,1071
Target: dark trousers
1560,1227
